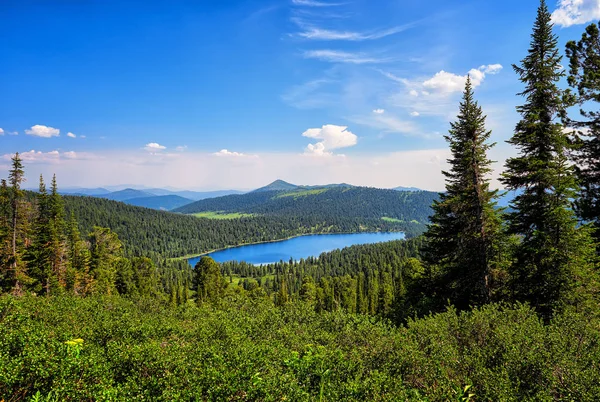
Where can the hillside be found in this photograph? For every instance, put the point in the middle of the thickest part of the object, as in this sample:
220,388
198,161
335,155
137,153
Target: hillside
280,185
127,194
150,232
355,202
162,202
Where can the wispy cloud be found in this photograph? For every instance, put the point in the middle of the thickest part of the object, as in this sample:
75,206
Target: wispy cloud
309,94
337,56
316,33
315,3
386,123
71,135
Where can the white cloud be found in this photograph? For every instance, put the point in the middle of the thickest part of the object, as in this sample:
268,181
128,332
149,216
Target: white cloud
574,12
225,152
413,93
336,56
43,131
446,82
34,156
181,148
491,68
317,149
408,168
71,135
415,114
1,131
379,111
331,136
154,147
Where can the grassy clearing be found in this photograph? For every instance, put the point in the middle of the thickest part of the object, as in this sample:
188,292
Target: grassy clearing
302,193
221,215
388,219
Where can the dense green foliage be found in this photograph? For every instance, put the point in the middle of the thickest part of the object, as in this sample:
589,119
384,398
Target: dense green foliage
390,321
554,254
325,204
148,232
383,279
465,235
161,202
110,349
584,78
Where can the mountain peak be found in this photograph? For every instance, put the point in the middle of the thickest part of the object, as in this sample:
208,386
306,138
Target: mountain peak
278,185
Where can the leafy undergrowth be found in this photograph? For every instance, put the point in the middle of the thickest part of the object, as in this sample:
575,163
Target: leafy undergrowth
107,349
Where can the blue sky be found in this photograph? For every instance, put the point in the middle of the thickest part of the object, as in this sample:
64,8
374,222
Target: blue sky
233,94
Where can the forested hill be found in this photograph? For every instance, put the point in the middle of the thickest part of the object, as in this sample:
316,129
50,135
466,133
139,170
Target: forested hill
148,232
355,202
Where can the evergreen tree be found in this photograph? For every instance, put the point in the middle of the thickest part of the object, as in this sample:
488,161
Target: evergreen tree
57,238
78,276
106,250
584,78
5,231
39,255
208,281
16,177
554,253
465,229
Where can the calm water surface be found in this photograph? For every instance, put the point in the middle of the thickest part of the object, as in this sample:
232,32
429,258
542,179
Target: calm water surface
298,247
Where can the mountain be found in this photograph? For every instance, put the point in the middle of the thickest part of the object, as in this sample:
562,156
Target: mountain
407,189
327,203
93,192
278,185
127,194
202,195
162,202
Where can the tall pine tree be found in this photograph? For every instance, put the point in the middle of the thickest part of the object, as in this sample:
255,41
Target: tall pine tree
57,235
16,177
465,230
38,255
584,78
554,253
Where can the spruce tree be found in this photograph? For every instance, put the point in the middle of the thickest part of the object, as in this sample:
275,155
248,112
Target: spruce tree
5,231
57,235
465,229
553,255
16,177
584,78
38,256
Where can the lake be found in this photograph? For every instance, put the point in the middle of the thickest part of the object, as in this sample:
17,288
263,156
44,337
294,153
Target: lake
297,247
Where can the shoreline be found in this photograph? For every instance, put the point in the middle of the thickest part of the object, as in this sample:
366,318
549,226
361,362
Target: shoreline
189,256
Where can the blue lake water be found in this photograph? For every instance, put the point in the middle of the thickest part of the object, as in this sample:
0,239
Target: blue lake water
296,248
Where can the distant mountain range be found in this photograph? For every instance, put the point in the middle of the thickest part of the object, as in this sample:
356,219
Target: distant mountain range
162,202
169,199
155,198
